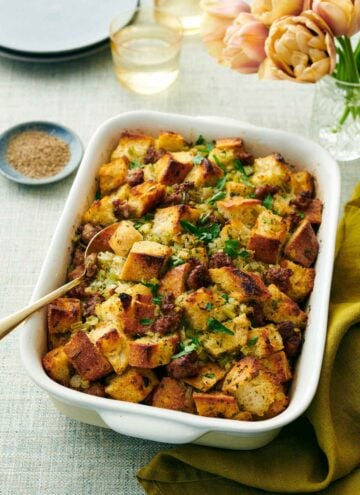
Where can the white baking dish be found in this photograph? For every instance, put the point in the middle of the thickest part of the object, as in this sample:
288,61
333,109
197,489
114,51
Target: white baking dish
160,424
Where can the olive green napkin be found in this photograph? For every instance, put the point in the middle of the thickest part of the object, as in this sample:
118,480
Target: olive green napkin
318,452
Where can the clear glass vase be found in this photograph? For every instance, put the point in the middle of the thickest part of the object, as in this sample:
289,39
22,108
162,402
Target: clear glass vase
335,119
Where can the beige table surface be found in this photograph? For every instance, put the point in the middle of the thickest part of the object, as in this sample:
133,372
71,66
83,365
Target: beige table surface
41,451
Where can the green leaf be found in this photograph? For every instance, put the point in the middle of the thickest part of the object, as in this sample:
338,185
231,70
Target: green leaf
176,261
217,197
197,159
225,297
221,183
209,306
215,326
204,217
146,321
157,299
98,195
152,286
206,234
188,348
252,341
135,164
244,254
231,247
243,175
268,202
218,162
142,221
200,140
301,214
209,375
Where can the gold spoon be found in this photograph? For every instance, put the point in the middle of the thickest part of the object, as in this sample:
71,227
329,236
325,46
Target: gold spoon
100,242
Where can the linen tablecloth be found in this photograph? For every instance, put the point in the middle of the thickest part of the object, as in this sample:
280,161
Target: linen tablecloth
41,451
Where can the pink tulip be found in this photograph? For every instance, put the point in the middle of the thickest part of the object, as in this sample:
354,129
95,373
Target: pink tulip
268,11
245,44
342,16
218,16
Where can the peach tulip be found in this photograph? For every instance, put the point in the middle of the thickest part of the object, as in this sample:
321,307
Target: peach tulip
268,11
342,16
218,16
245,44
299,48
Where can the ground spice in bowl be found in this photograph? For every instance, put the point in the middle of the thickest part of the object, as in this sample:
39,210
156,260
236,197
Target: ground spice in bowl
37,154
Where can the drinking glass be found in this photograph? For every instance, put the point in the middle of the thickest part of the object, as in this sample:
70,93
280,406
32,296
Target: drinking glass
188,11
145,46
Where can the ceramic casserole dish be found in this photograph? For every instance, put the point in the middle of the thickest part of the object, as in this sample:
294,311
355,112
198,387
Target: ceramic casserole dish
164,425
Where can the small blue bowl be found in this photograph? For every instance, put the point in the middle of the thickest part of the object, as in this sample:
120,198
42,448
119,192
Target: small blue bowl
59,131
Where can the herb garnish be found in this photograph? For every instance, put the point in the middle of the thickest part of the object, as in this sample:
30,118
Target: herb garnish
139,222
232,249
209,306
252,341
243,175
268,202
187,348
135,164
205,234
225,297
301,214
215,326
146,321
209,375
197,159
200,140
218,162
176,261
216,197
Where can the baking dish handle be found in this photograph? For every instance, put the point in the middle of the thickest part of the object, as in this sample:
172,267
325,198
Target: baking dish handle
150,428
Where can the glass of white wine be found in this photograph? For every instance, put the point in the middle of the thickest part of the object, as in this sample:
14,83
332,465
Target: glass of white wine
188,11
145,46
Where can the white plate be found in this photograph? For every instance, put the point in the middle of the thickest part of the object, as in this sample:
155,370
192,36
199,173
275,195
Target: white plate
44,26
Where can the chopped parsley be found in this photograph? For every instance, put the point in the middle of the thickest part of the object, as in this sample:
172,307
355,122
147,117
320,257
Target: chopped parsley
232,248
209,306
216,197
209,375
221,183
252,341
98,195
200,140
157,299
225,297
243,175
268,202
197,159
205,234
135,164
215,326
218,162
176,260
154,287
301,214
187,348
146,321
139,222
204,217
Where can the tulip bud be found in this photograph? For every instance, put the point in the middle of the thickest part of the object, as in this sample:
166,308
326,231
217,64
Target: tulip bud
218,16
342,16
268,11
245,44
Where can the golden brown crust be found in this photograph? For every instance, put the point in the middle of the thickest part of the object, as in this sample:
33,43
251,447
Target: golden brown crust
303,245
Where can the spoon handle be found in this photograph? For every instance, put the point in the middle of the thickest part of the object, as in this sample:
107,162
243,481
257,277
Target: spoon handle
10,322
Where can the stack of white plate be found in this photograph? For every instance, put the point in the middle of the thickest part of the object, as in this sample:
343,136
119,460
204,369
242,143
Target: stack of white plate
56,30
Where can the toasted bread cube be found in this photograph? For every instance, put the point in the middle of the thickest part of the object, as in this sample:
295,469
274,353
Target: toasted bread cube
215,405
167,220
270,170
303,245
174,280
133,146
313,213
263,342
268,236
243,286
62,313
206,173
278,365
112,344
58,366
86,357
169,171
281,308
170,141
132,386
301,280
217,343
209,374
138,314
229,143
237,189
152,351
144,197
245,210
196,306
255,389
101,212
112,175
302,181
124,237
110,310
172,394
282,204
145,261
